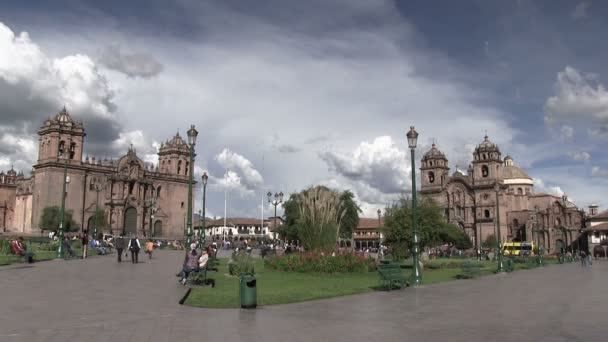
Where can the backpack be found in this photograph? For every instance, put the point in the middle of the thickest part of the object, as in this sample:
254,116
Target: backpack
134,245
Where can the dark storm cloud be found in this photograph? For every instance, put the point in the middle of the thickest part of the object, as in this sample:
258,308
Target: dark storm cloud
131,64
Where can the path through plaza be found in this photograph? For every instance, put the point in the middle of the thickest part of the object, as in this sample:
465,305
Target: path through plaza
100,300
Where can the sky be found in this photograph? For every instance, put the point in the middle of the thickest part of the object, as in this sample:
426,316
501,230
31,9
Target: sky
290,94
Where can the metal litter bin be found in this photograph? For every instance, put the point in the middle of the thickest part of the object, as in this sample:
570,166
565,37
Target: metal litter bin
248,292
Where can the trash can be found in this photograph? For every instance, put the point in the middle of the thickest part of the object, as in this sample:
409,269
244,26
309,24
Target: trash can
248,292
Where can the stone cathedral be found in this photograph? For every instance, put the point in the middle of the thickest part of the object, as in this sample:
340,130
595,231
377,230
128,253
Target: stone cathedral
126,189
469,200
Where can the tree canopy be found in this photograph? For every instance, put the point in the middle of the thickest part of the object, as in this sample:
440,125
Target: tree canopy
50,219
433,229
313,213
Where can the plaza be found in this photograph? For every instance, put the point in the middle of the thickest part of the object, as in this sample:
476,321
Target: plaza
100,300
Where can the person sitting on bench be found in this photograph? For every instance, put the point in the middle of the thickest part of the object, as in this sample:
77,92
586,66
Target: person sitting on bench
19,248
190,264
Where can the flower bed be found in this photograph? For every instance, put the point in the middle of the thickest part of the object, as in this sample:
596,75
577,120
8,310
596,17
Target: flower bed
321,262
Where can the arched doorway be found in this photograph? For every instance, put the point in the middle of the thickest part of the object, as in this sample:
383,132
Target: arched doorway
91,224
158,228
130,226
559,244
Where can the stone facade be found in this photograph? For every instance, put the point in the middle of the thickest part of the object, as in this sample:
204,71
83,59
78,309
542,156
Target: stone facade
469,200
126,189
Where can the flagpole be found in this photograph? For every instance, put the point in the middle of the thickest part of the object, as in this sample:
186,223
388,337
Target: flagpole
225,201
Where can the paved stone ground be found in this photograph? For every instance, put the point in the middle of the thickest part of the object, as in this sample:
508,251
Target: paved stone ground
100,300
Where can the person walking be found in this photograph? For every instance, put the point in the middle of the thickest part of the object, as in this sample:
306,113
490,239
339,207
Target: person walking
120,246
583,259
134,247
149,248
85,241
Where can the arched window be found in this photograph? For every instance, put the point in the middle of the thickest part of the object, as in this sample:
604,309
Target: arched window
131,186
61,149
558,222
520,191
486,213
158,192
72,150
485,172
187,168
179,167
431,177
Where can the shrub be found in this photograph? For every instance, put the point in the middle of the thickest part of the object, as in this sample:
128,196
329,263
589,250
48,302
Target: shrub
5,247
240,264
321,262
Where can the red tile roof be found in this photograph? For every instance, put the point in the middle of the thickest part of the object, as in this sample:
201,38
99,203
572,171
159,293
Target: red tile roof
369,223
602,215
602,227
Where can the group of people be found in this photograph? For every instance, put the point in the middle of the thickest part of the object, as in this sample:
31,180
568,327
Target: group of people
193,261
134,246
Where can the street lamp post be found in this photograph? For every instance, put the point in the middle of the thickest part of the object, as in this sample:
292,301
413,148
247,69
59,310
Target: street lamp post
539,250
152,209
278,199
563,228
66,181
192,134
379,232
412,139
98,188
202,237
501,267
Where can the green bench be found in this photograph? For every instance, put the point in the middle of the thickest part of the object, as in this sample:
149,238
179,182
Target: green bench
391,275
470,270
199,277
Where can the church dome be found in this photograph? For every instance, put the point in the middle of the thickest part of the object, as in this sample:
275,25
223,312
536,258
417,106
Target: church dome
434,153
513,172
487,146
63,116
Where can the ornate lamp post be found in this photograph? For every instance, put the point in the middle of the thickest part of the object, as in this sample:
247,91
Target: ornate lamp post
192,134
98,188
278,199
202,237
563,228
412,139
501,267
539,250
151,209
66,181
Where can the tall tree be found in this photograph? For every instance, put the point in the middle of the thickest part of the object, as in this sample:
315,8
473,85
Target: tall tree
433,229
346,216
50,219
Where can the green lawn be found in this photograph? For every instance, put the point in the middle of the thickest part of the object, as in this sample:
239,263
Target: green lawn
276,287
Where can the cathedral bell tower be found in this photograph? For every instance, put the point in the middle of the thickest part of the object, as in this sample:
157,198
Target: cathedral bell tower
60,137
174,157
434,170
487,163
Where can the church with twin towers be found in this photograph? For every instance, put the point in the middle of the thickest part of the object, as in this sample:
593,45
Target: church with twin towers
126,189
470,200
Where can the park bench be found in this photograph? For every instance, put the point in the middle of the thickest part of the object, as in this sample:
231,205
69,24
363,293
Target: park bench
391,275
199,276
470,270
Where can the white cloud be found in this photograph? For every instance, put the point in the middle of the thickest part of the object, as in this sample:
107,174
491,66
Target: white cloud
541,187
580,156
578,97
241,175
580,11
599,171
379,164
567,132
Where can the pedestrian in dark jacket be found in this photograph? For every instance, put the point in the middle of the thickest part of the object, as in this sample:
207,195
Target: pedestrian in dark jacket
134,247
120,246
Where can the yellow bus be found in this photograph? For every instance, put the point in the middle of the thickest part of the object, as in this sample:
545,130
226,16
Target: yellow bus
519,248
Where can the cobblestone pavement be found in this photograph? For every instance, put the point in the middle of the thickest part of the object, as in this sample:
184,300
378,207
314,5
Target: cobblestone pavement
100,300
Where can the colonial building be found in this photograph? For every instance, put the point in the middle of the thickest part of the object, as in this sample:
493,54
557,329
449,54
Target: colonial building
597,231
236,227
126,189
367,233
470,200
